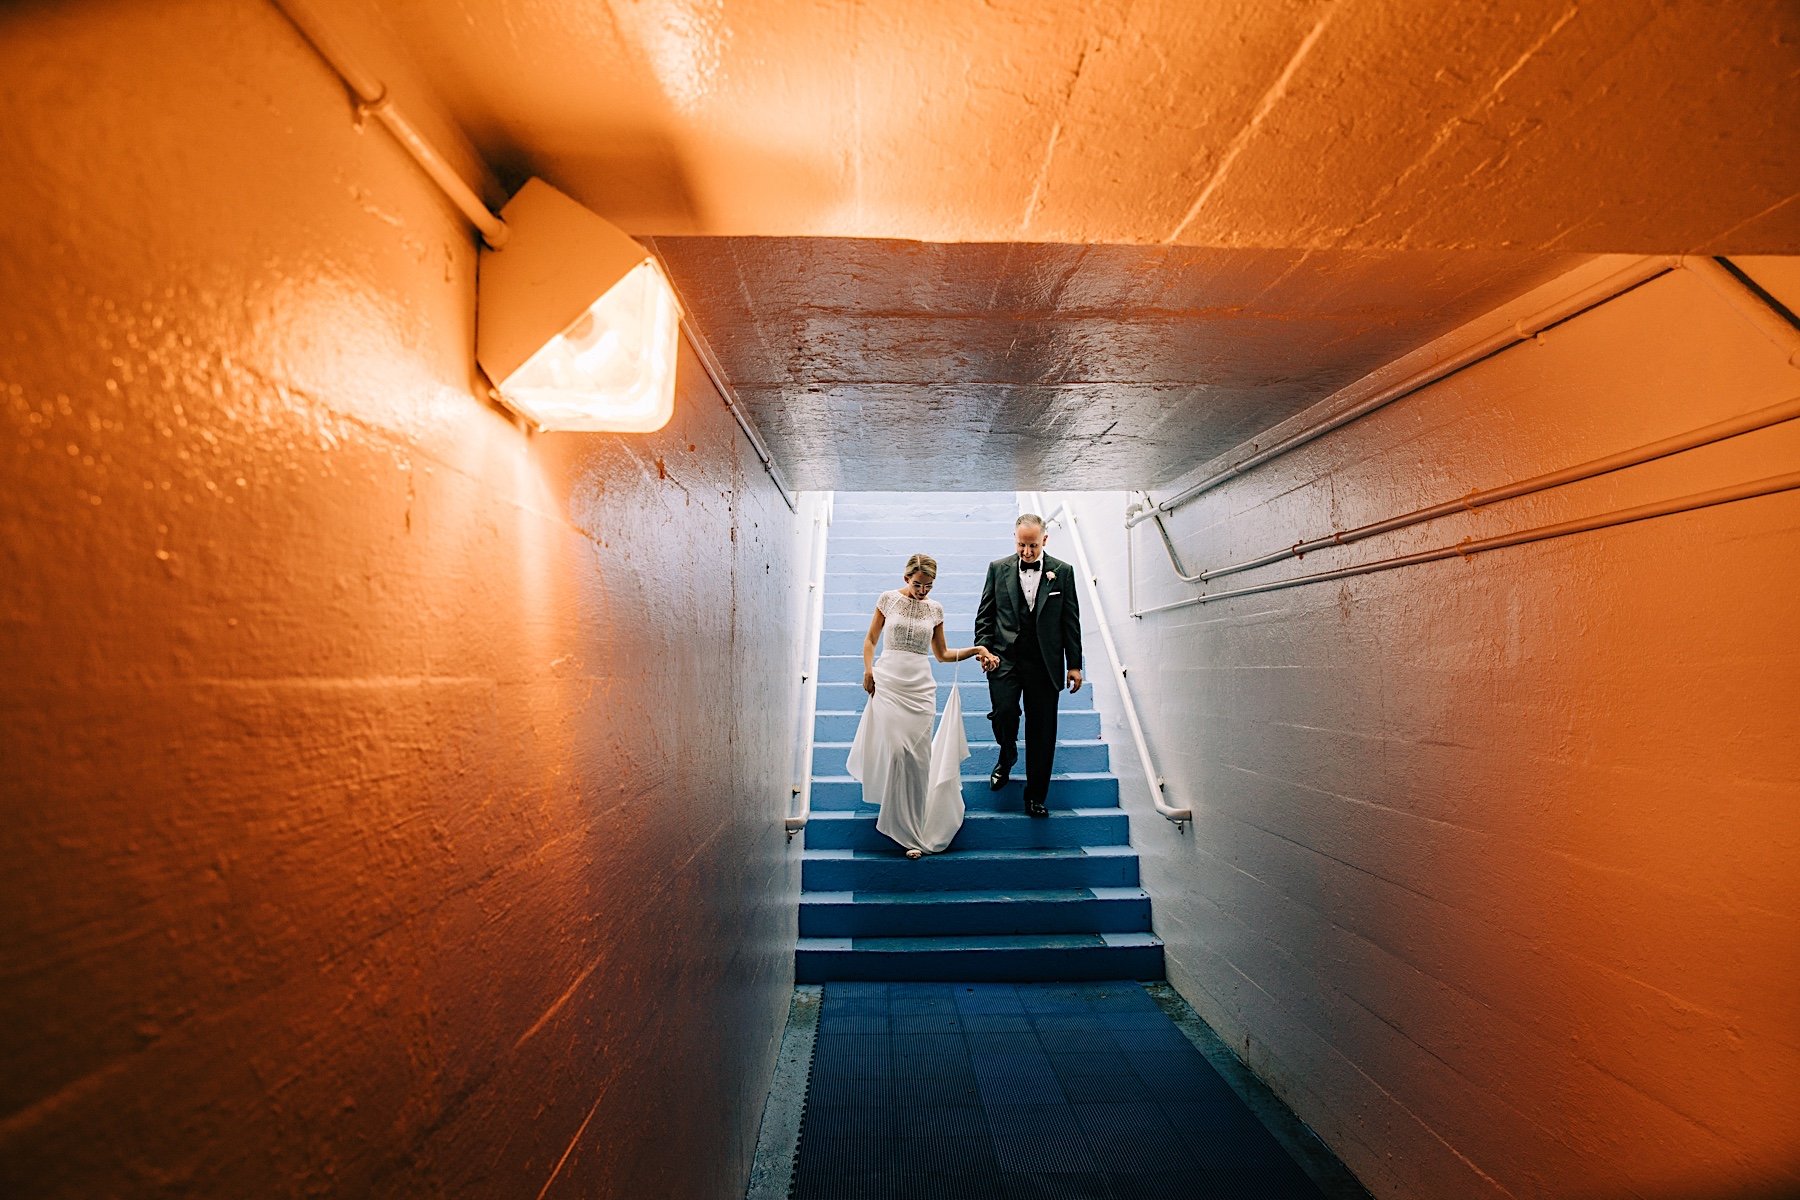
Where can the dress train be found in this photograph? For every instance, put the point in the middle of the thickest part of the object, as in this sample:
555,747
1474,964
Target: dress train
914,776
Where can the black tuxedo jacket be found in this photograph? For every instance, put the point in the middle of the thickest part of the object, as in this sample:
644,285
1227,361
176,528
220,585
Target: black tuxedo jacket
999,619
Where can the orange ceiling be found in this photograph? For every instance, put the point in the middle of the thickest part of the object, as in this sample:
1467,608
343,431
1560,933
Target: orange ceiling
1202,215
1625,126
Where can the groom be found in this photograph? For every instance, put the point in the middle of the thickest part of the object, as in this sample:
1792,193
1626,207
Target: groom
1029,616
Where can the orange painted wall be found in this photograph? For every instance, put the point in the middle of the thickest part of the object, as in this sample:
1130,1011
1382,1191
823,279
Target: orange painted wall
391,799
1495,868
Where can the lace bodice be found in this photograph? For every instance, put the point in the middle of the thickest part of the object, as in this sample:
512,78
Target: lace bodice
909,621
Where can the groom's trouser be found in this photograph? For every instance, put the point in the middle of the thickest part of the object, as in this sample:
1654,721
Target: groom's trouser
1025,678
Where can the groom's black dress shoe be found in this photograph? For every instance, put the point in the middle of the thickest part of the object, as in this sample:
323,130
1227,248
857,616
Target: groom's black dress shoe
1036,808
1000,774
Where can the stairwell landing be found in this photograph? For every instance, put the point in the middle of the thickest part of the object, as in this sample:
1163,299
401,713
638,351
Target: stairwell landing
1013,898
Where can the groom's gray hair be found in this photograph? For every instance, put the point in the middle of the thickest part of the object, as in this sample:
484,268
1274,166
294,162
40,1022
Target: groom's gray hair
1029,519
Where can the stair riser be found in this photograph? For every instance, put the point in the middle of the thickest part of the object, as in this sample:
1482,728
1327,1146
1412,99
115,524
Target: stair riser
846,643
832,760
849,697
1070,727
843,794
860,554
959,918
1008,832
848,668
884,515
950,873
882,578
851,612
887,562
962,531
854,617
984,966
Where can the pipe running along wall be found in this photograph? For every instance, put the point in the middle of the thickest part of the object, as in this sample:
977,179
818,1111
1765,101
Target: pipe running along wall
1772,324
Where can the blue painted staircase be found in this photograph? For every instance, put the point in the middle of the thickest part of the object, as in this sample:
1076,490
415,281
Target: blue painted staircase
1012,899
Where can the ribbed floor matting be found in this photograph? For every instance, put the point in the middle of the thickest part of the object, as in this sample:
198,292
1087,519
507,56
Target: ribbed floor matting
996,1090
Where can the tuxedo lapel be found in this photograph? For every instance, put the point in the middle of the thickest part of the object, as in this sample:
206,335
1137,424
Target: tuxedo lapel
1012,584
1043,584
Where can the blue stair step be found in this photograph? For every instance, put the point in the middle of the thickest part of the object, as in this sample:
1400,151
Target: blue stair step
1072,757
969,560
933,914
849,697
1013,898
1071,727
981,958
848,668
967,870
958,621
852,830
919,534
884,554
965,575
847,643
840,792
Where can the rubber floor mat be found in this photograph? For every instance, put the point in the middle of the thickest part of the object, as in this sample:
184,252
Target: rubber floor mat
997,1090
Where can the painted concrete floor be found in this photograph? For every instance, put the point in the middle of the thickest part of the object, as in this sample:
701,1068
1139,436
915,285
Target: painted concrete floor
1067,1090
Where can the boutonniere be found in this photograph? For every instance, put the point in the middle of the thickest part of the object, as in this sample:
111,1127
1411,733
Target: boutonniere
1050,576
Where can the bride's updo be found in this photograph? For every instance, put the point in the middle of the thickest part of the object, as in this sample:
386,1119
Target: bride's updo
922,563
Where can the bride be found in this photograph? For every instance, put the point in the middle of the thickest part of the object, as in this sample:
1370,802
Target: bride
916,779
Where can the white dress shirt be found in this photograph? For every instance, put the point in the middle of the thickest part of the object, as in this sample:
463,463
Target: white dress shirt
1029,581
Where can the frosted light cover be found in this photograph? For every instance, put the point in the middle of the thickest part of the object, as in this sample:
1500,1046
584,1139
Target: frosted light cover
613,369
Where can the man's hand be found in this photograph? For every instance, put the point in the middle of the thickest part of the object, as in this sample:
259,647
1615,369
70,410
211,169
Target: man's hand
1074,681
987,658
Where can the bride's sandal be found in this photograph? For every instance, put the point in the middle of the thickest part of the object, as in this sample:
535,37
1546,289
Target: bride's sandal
915,854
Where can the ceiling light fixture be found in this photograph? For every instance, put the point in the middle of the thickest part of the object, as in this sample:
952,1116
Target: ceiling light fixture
576,324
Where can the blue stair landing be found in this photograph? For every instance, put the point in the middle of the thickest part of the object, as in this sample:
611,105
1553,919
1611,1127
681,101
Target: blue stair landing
1013,899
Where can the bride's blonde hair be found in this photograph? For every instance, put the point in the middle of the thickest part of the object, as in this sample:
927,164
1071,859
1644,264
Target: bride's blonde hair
920,562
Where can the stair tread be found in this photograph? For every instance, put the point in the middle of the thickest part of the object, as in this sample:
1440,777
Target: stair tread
980,941
983,778
1062,744
869,812
1001,896
1036,852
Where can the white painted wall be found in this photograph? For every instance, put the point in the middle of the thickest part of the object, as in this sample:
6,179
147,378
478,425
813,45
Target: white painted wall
1495,872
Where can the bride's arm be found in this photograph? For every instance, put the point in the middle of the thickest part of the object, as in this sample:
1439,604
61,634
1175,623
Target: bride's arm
947,655
875,624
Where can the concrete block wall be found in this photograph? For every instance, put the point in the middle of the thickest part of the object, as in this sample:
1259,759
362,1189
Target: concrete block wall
1495,870
391,798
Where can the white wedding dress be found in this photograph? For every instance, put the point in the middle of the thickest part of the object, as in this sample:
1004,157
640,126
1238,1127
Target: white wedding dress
915,778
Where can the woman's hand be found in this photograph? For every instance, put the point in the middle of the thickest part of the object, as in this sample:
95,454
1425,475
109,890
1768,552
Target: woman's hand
869,682
987,658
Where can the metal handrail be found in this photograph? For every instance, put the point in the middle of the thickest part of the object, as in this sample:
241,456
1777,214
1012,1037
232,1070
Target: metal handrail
1469,547
1065,516
809,667
1714,272
1693,439
1512,334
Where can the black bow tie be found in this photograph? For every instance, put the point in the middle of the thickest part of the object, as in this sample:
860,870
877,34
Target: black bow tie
1030,566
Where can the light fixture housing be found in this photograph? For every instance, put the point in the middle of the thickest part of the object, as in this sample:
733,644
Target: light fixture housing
576,324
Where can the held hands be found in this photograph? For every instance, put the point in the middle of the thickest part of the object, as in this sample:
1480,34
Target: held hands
1074,681
987,658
